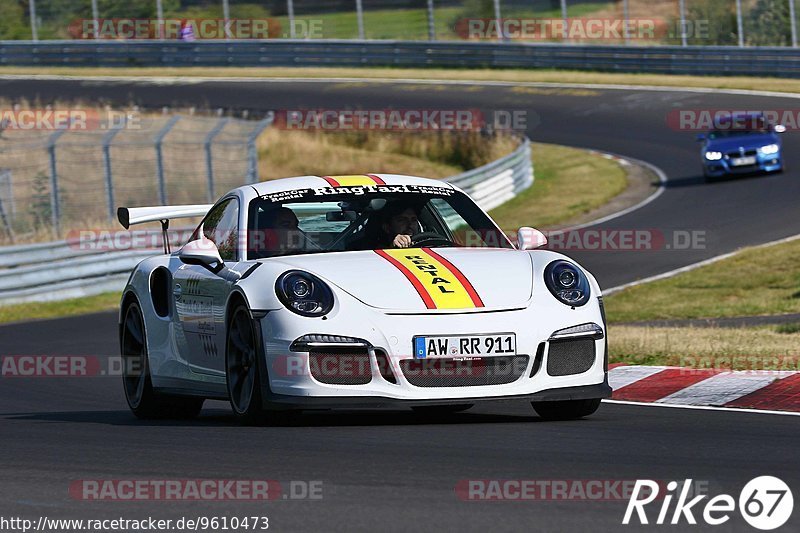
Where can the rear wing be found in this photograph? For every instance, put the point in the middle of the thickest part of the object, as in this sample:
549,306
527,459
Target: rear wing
130,216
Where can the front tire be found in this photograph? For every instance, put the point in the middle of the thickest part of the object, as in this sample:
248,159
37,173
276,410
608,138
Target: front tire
142,400
242,370
566,409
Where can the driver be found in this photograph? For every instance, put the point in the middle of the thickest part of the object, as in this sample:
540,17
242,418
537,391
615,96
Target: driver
400,222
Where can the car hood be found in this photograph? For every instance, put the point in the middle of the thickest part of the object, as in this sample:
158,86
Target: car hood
742,141
427,279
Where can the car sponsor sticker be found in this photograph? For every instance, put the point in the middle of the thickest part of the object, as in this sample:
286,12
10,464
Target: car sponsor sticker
437,281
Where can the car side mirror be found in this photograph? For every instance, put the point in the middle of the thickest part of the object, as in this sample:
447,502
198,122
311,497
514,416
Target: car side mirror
700,137
530,238
202,252
779,128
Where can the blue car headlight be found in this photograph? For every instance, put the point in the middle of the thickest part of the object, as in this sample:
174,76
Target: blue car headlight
770,149
568,284
713,156
304,293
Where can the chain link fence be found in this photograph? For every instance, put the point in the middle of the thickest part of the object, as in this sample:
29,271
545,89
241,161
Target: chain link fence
658,22
55,180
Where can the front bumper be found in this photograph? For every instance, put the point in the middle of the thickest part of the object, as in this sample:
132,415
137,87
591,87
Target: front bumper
723,167
581,392
292,383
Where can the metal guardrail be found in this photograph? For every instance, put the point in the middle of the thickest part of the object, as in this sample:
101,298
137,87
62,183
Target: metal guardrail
73,269
701,60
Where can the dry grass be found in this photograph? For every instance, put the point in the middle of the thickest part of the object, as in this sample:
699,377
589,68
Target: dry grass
742,285
293,153
505,75
740,348
71,307
569,182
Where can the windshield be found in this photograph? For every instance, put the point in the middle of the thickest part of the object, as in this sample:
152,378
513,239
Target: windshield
364,218
737,126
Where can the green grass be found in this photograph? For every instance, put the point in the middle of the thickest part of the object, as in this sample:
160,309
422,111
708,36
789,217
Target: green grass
756,281
75,306
569,182
737,348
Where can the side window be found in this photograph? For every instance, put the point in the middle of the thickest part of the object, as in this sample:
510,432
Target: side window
455,223
221,226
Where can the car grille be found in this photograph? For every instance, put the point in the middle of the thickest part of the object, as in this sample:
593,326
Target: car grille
464,373
345,366
572,356
737,154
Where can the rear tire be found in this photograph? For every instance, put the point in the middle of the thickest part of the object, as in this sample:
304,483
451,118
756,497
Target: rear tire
142,400
567,409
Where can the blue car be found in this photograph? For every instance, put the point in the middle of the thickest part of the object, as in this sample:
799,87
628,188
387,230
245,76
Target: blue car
742,144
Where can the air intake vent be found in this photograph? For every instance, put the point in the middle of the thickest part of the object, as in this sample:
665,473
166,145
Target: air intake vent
572,356
385,366
344,366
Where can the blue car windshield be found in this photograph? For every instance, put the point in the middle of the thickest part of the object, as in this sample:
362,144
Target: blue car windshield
724,134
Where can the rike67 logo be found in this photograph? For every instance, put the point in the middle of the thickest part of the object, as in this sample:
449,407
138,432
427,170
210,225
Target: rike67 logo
765,503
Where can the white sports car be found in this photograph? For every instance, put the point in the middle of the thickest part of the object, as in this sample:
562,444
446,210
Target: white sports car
357,291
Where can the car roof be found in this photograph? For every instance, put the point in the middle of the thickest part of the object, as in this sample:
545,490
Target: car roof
318,182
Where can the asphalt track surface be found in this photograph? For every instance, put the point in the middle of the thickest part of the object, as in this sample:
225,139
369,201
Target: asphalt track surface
390,470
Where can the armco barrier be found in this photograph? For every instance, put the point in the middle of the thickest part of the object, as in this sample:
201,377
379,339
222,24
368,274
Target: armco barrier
62,269
701,60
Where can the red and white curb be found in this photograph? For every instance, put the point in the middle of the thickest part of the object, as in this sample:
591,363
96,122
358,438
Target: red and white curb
769,390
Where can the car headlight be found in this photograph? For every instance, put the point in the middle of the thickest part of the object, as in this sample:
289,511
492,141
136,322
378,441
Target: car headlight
567,283
770,149
304,293
713,156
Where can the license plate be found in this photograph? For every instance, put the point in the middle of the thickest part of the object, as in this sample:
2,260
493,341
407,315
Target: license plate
465,346
742,161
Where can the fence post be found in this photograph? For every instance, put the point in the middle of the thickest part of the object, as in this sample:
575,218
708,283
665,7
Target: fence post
55,196
160,17
682,9
209,158
3,216
739,23
431,22
107,171
32,12
360,17
252,155
226,16
501,35
96,17
564,18
162,186
793,19
290,11
626,17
